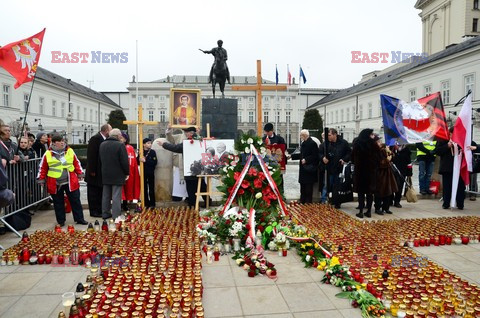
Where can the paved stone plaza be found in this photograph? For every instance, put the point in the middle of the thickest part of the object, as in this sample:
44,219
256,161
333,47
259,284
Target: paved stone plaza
35,291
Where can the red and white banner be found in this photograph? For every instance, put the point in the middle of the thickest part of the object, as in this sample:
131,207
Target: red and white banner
462,136
271,182
237,184
251,222
20,58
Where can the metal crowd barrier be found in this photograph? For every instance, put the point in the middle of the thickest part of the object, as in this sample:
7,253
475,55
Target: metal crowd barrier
28,194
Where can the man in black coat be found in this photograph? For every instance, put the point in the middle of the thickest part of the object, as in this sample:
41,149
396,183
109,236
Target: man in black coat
115,171
94,172
338,153
444,149
190,181
308,173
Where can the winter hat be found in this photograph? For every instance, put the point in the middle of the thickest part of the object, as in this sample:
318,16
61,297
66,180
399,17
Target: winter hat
40,134
145,140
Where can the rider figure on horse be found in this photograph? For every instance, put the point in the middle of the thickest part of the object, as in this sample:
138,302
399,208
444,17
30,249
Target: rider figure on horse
221,54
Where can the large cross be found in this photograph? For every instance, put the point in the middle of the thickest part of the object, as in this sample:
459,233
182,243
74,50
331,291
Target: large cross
140,123
259,88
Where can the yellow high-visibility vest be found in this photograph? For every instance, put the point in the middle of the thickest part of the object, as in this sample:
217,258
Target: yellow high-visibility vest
430,145
55,166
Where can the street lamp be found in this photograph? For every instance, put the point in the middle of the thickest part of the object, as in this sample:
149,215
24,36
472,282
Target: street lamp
40,126
84,133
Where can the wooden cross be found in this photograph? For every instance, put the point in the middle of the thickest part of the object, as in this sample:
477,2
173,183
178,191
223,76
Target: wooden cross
140,123
259,88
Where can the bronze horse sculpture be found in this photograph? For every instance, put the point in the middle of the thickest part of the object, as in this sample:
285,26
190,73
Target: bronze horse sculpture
219,72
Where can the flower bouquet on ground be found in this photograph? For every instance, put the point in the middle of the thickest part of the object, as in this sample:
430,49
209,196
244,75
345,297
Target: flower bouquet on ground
312,255
338,275
252,259
370,306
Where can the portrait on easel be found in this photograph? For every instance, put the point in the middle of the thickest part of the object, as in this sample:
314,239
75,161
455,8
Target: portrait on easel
185,107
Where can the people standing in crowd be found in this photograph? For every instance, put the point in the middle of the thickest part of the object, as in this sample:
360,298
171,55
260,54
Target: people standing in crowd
26,180
365,158
473,186
115,171
271,138
336,154
309,160
131,188
426,160
94,171
402,161
445,149
385,184
61,171
149,160
40,146
177,147
25,149
8,149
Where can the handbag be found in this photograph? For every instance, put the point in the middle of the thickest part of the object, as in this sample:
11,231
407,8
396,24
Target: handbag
410,192
342,187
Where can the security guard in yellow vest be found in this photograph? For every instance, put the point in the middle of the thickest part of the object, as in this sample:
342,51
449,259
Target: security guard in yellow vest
426,159
61,171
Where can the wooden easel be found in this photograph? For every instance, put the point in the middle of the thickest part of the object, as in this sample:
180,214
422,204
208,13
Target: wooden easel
209,191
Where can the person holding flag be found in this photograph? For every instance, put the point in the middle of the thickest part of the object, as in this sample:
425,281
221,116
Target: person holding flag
446,149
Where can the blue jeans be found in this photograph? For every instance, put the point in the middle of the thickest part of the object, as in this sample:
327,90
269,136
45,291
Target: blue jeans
425,169
330,180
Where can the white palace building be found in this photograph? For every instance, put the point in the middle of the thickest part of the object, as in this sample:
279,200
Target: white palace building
55,101
451,66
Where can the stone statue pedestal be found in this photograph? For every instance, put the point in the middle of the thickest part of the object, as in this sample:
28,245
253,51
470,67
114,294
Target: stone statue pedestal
222,115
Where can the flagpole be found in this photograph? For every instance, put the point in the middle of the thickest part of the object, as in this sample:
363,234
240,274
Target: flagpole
136,84
288,121
26,110
299,97
276,97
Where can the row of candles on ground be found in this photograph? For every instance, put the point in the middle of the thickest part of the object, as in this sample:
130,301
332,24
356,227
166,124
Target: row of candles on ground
423,289
149,267
145,296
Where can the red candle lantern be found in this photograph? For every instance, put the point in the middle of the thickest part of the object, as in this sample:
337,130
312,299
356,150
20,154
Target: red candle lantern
284,252
41,258
70,229
465,240
416,243
25,256
422,242
58,228
448,240
442,239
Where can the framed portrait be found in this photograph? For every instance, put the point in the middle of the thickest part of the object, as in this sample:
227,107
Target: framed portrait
185,107
206,157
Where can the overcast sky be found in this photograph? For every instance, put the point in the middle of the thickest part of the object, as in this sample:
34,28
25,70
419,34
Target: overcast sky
319,35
